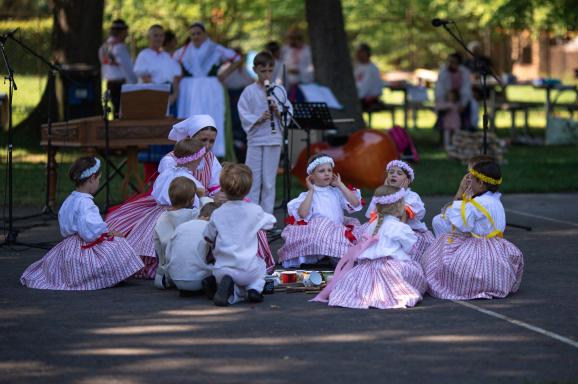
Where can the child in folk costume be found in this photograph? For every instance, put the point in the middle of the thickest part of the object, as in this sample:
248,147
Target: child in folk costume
202,128
400,174
189,153
188,257
260,117
182,192
90,257
439,223
232,231
473,260
318,226
385,275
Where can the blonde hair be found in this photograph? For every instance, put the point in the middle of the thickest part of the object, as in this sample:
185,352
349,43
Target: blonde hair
187,147
236,180
182,192
395,209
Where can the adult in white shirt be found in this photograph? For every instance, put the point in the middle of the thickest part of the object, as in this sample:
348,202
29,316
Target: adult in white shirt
201,91
367,77
296,55
116,64
154,65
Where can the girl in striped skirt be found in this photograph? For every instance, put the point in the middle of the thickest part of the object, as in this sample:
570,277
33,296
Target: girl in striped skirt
472,260
90,257
400,174
318,227
385,275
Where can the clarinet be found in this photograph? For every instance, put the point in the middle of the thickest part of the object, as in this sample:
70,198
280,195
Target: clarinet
268,91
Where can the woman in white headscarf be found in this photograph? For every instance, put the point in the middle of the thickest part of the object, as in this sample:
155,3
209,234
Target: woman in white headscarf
201,91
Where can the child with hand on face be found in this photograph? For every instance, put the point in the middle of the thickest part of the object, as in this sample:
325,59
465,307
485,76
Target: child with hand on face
472,260
318,228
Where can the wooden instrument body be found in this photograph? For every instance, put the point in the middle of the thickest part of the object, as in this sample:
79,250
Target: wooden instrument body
360,162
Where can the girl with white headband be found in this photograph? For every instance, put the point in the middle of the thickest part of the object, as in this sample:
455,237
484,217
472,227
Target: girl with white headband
327,231
189,153
400,174
385,275
472,260
90,256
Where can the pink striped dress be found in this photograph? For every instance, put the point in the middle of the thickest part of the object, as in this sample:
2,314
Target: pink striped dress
326,231
472,260
87,258
384,277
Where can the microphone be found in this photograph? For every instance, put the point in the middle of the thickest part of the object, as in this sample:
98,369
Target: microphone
268,91
439,22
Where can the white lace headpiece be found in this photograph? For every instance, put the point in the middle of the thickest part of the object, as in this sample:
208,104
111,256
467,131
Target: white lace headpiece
317,162
402,165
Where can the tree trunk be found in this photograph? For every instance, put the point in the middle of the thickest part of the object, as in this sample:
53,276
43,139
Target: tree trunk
76,37
331,56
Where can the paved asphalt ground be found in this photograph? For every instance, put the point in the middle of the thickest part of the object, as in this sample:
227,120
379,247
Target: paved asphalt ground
136,334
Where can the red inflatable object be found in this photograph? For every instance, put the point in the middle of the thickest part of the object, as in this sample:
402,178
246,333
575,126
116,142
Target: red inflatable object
360,162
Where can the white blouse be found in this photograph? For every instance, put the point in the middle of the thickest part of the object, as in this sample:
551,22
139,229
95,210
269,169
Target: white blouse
367,80
252,103
199,61
169,161
233,229
395,239
160,66
79,215
413,200
475,220
327,202
187,252
162,183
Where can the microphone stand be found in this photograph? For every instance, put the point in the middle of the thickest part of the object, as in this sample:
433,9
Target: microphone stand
484,71
105,110
12,234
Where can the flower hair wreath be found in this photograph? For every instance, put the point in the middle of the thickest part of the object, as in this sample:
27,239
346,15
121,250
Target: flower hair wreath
388,199
484,178
90,171
319,161
196,156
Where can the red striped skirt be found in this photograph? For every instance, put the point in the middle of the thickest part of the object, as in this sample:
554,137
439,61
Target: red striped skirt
382,283
307,244
424,240
472,268
124,218
68,266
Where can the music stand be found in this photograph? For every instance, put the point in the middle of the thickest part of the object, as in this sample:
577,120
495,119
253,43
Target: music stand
312,116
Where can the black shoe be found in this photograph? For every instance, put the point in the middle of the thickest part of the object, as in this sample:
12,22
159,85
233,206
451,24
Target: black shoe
209,286
253,296
226,287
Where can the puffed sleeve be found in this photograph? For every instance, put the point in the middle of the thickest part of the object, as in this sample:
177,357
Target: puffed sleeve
246,112
168,161
90,224
462,215
227,54
267,221
293,207
405,236
415,203
348,207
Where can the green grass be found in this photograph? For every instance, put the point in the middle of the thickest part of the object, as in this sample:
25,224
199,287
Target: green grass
30,88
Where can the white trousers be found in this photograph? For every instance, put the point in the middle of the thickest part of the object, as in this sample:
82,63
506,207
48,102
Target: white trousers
263,161
245,278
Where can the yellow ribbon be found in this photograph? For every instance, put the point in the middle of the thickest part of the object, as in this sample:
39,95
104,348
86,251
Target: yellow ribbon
484,211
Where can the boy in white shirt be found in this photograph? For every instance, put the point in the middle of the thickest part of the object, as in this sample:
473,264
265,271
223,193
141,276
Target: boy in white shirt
189,261
232,232
260,117
182,193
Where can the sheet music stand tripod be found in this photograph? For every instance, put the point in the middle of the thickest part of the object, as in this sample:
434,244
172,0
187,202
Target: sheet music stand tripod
312,116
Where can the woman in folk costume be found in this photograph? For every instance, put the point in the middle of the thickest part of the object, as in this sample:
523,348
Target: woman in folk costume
200,89
202,128
385,275
90,257
400,174
318,227
188,153
473,260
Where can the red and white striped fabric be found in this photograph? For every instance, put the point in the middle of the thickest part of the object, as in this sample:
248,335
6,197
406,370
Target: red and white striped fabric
69,267
382,283
461,267
424,240
307,244
142,240
264,251
125,217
